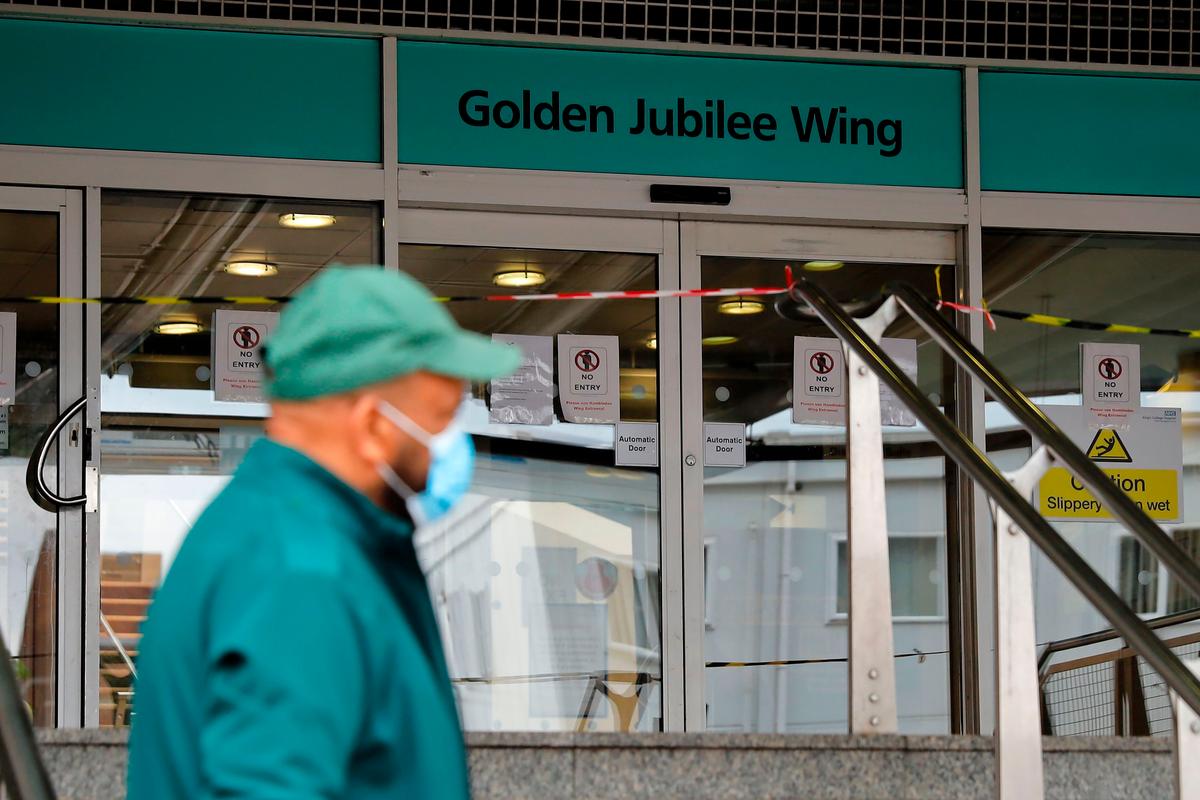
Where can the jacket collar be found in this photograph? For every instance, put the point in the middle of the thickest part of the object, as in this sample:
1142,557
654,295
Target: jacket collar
328,496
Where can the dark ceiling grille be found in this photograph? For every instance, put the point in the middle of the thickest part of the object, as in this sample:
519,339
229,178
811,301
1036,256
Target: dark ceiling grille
1133,32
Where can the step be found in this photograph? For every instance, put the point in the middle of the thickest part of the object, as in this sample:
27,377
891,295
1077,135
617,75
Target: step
125,590
120,606
722,766
124,625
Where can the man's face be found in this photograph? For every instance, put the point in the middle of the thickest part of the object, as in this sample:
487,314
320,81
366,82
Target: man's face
430,401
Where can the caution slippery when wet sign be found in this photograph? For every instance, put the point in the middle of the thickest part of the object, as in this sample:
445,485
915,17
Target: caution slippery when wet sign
1144,459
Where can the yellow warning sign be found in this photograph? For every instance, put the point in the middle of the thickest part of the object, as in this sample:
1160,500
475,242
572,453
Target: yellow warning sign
1107,446
1156,491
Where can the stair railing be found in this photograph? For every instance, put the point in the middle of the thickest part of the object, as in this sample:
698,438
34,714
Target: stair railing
1018,727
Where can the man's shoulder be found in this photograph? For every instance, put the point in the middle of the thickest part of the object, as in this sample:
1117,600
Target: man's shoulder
262,529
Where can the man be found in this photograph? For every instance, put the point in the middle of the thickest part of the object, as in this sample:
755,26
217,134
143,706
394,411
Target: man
292,651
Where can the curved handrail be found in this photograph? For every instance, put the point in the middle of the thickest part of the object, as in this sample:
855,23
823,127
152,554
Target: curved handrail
35,480
989,477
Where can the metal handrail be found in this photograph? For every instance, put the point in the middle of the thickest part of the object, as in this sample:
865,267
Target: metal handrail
1173,557
989,477
1107,635
21,768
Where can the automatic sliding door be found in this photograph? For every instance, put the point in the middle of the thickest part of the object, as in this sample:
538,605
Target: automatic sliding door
40,377
548,580
768,531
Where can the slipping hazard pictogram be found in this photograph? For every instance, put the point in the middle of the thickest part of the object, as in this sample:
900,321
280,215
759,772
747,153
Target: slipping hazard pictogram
1107,446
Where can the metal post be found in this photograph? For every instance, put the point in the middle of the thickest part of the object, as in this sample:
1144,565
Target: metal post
872,663
1018,723
1187,745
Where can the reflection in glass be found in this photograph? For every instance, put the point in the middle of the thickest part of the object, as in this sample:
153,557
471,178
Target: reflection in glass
775,529
547,577
1132,280
166,447
29,264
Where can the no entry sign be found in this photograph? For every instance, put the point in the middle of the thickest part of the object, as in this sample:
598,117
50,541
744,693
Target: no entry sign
589,378
238,337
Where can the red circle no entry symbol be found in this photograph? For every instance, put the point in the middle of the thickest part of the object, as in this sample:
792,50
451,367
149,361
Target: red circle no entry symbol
245,337
821,363
1109,368
587,360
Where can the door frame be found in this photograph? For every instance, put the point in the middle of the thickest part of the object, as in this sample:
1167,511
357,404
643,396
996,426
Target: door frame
71,623
612,234
769,241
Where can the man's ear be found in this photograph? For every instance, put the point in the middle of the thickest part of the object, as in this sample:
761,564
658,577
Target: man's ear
369,432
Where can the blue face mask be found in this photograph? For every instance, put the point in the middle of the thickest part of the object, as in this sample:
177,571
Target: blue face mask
451,462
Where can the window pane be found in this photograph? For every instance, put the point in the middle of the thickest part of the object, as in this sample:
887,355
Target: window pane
1178,598
166,445
547,578
1145,281
916,577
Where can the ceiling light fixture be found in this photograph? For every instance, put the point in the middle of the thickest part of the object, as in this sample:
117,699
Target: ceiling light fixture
822,266
307,221
252,269
178,326
717,341
519,278
738,306
652,343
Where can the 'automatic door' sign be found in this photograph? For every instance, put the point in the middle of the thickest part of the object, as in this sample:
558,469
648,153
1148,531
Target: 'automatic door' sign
1144,459
238,337
589,379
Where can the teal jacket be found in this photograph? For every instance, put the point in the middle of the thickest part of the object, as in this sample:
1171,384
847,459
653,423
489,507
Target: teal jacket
292,652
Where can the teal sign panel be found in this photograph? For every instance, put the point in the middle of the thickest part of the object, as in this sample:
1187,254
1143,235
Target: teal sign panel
648,114
1089,134
189,91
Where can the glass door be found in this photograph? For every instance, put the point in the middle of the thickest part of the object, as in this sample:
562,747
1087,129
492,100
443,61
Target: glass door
765,487
43,439
554,580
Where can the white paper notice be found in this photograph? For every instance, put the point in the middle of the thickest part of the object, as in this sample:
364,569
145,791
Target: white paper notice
636,444
891,410
819,382
589,379
724,444
527,396
8,358
1110,378
238,338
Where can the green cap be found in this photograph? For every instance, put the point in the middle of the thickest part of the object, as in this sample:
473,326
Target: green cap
355,326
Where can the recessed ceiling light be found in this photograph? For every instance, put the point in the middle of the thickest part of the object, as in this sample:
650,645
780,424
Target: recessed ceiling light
252,269
717,341
295,220
652,343
823,266
741,305
517,278
178,326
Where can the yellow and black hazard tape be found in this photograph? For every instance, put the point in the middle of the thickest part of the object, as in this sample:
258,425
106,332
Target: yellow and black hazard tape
270,300
1089,325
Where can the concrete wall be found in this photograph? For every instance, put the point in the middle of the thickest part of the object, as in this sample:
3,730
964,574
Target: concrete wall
90,765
